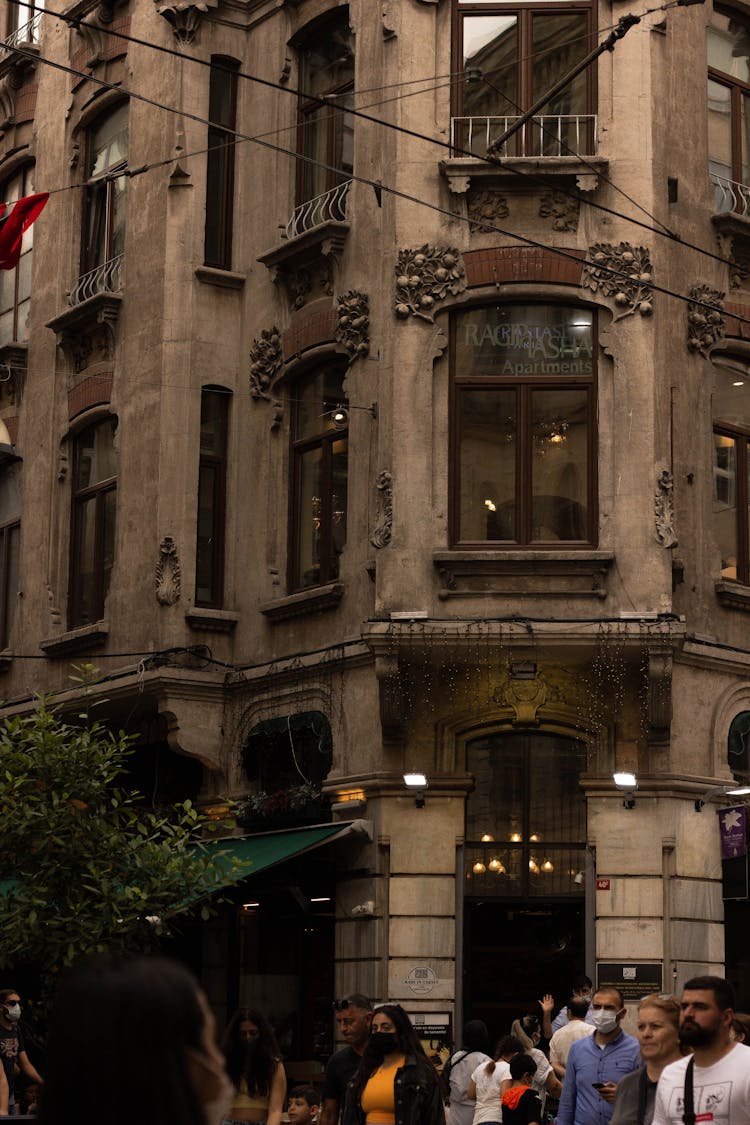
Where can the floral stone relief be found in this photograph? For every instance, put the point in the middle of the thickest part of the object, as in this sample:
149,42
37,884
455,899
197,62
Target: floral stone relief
664,509
622,272
426,276
484,209
353,325
381,536
562,209
265,361
168,576
705,324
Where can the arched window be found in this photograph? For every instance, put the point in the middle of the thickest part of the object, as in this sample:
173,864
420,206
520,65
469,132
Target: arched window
326,133
93,521
523,413
15,284
319,478
731,414
526,817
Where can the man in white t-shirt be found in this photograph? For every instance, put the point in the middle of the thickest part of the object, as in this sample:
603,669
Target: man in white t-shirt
721,1067
566,1036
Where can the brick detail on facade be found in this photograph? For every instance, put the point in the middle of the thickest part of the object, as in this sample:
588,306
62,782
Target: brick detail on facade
310,328
111,48
734,327
25,107
504,265
92,391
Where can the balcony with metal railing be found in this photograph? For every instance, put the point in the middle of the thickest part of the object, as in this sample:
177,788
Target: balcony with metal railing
731,196
325,208
24,36
547,135
106,278
86,327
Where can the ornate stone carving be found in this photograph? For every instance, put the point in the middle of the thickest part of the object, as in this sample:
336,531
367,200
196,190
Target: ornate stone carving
525,697
659,696
622,272
425,276
353,327
561,208
168,576
484,209
184,16
704,326
381,536
86,332
265,361
664,509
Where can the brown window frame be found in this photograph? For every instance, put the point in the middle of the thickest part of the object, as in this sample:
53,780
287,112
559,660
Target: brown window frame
79,498
25,173
741,439
737,90
216,464
524,385
99,198
220,163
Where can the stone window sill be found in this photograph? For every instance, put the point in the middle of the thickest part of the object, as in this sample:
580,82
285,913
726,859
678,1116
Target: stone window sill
463,172
733,595
222,279
211,620
318,600
81,639
580,573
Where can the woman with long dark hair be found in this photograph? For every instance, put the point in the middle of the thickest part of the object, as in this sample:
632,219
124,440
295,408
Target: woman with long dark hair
255,1067
132,1040
395,1083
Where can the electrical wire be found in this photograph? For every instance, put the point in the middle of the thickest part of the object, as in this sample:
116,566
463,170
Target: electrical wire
285,88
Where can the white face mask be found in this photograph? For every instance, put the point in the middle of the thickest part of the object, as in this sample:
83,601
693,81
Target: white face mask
604,1020
12,1012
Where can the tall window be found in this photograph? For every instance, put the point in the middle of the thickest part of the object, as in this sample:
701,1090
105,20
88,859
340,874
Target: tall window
222,113
93,523
523,449
731,412
212,478
326,133
10,534
107,154
515,53
319,474
729,104
15,285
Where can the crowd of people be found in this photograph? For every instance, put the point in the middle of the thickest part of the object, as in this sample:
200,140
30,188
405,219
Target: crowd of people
134,1041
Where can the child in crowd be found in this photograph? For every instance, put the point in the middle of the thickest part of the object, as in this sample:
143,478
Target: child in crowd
521,1106
304,1104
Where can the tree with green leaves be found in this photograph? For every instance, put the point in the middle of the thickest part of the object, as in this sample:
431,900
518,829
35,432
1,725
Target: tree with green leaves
84,866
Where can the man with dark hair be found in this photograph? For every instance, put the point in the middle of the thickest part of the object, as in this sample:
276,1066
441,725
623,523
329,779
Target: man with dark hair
715,1077
597,1063
576,1028
353,1016
582,990
12,1049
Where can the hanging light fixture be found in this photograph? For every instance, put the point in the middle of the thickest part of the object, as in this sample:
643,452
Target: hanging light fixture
487,839
533,865
496,866
515,837
479,868
548,866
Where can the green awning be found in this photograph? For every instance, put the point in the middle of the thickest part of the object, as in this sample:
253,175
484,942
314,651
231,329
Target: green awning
266,849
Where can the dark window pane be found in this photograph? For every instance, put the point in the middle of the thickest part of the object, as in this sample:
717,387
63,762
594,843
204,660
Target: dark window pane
487,472
85,559
326,133
338,503
725,503
209,577
559,464
95,458
204,590
220,164
12,536
309,516
94,511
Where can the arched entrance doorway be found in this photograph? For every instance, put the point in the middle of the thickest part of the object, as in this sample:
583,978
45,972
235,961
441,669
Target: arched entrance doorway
524,884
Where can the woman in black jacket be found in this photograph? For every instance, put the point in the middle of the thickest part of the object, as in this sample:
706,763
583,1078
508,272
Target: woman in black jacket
395,1083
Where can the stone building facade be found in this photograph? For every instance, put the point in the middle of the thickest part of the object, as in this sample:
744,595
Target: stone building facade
355,429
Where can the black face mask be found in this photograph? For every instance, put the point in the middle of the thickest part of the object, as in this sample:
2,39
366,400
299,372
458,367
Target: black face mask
382,1043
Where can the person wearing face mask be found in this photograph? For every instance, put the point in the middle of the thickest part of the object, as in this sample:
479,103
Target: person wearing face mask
597,1063
255,1068
133,1040
395,1083
12,1049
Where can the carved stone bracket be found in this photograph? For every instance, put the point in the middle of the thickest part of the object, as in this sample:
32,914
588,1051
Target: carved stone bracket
305,265
659,695
86,332
353,325
184,16
664,509
484,209
426,276
622,272
12,373
381,536
704,325
393,707
168,576
561,208
265,360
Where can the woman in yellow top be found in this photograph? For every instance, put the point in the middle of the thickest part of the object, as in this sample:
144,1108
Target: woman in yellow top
255,1067
395,1083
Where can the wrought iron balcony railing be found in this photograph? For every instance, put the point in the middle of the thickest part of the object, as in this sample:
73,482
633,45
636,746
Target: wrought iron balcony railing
331,206
566,134
27,33
106,278
731,197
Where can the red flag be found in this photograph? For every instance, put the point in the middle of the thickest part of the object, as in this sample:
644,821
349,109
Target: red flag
14,222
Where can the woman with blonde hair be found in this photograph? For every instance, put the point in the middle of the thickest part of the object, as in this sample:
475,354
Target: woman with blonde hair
658,1036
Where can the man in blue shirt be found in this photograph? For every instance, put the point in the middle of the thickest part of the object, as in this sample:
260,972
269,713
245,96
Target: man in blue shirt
596,1064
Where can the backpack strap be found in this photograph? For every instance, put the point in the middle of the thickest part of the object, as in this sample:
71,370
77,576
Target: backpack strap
688,1107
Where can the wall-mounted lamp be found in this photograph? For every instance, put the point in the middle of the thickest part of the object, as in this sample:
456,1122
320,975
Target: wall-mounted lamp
340,414
418,783
627,783
725,790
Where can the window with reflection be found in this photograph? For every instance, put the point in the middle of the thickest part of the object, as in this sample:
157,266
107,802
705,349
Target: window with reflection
10,535
319,478
728,104
526,816
326,132
93,522
212,485
15,284
731,414
511,54
107,154
738,747
523,410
